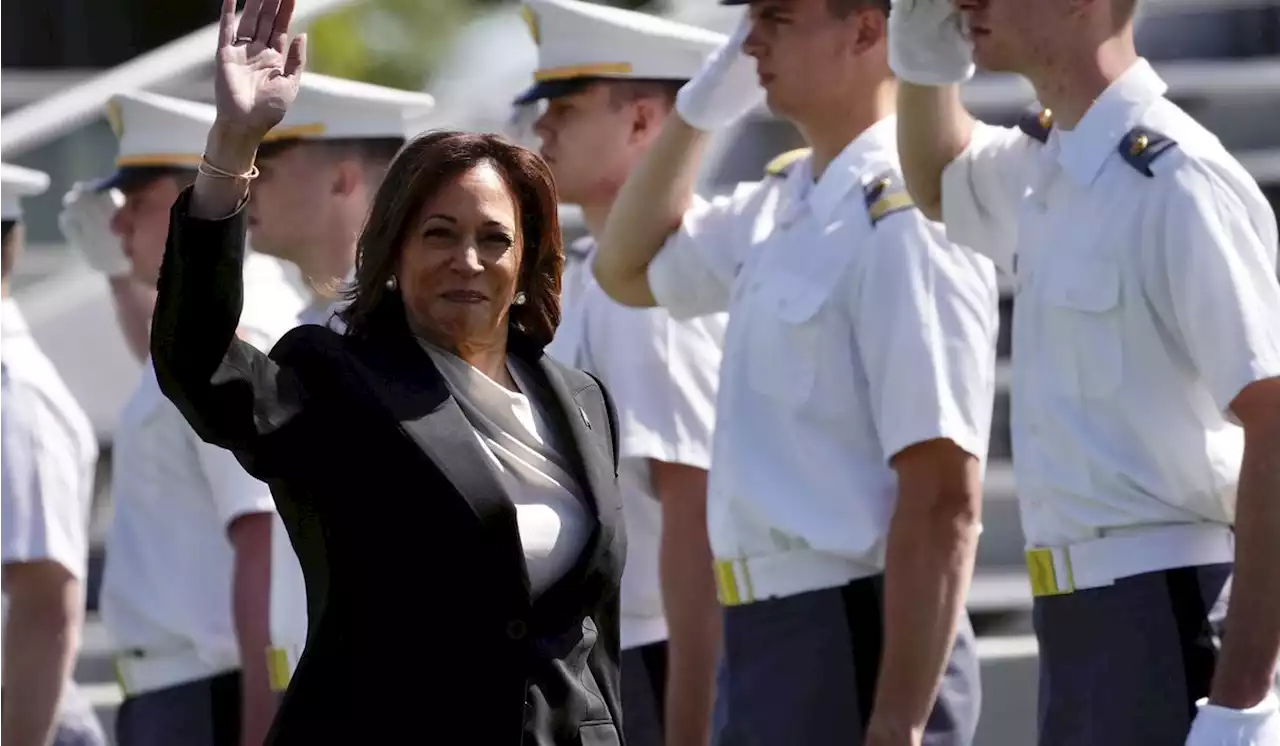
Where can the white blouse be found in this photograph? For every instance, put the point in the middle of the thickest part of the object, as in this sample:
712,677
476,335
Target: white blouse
519,439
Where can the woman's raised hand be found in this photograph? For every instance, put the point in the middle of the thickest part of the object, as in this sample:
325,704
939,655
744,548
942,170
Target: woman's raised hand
258,67
255,81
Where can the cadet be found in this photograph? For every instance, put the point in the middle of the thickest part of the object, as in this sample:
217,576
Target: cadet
320,168
49,460
186,583
1146,352
855,393
609,79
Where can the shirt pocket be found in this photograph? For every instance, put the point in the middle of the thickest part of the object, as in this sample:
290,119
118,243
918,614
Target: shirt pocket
783,340
1083,329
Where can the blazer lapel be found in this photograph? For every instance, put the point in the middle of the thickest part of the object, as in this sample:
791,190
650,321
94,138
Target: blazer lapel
414,391
592,567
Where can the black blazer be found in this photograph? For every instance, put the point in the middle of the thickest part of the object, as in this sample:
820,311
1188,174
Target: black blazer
421,626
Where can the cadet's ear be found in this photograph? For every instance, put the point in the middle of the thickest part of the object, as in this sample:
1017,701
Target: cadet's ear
347,176
648,114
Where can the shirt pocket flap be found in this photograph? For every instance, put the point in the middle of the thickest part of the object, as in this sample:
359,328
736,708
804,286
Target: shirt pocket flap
1090,286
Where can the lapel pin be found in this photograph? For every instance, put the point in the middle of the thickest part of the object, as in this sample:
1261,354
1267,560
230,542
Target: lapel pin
583,412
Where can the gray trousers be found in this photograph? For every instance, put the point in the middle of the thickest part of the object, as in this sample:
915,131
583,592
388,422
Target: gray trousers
1124,665
644,687
199,713
803,669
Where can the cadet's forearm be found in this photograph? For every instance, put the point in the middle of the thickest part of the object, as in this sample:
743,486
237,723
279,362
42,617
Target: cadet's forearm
689,598
250,598
1246,670
929,559
648,208
39,651
933,129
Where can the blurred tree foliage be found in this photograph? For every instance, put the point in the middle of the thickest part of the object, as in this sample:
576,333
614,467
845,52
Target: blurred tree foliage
398,42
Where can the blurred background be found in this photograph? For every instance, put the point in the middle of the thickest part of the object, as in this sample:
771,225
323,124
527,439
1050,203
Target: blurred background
63,58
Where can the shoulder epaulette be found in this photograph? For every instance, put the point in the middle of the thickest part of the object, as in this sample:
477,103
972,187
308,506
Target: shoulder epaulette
1140,147
782,163
885,195
1037,125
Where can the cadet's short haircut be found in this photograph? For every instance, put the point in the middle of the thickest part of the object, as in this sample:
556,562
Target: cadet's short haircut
6,228
622,92
1123,10
844,8
373,152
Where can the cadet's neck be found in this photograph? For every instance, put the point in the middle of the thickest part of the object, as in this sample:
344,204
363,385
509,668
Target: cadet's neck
831,132
595,215
1069,87
4,288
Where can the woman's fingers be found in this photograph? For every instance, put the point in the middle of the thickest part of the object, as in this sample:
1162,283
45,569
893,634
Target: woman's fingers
248,19
227,24
297,58
266,22
280,31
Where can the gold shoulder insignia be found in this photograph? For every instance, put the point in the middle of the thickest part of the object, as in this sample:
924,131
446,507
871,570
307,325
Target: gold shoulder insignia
1140,147
780,164
886,195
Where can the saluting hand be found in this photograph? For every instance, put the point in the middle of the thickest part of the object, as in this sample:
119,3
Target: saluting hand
258,68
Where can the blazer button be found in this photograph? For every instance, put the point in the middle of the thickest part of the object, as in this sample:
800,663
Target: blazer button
516,629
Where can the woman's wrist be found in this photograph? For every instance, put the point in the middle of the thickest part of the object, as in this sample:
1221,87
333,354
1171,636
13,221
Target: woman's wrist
232,147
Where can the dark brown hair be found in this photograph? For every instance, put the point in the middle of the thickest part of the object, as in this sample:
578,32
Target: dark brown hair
419,171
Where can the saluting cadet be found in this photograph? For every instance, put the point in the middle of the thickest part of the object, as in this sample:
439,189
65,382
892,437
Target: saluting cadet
186,583
609,78
1146,354
855,393
49,458
320,167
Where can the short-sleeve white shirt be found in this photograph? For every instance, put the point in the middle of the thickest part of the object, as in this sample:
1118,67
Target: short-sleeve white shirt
662,374
288,604
49,460
167,582
1144,304
50,456
848,341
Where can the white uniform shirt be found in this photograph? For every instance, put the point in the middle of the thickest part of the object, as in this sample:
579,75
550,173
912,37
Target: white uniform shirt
847,342
1144,305
167,583
662,375
288,603
50,455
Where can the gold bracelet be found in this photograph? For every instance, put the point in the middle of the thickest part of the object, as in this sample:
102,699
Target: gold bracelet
208,169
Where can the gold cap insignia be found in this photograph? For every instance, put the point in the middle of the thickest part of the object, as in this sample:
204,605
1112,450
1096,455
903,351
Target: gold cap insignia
115,118
531,20
1140,144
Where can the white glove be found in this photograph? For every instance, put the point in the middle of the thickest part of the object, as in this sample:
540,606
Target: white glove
85,221
927,43
1221,726
725,88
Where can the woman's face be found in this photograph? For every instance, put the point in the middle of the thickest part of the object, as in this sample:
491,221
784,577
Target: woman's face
460,264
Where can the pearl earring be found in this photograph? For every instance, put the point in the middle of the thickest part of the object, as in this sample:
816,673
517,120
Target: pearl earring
519,299
391,282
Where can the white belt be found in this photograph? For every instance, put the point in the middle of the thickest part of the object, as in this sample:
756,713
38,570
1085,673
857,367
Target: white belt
750,579
141,672
1098,563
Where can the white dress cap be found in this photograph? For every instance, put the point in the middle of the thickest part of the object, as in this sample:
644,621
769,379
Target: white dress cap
329,108
580,41
17,182
156,132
